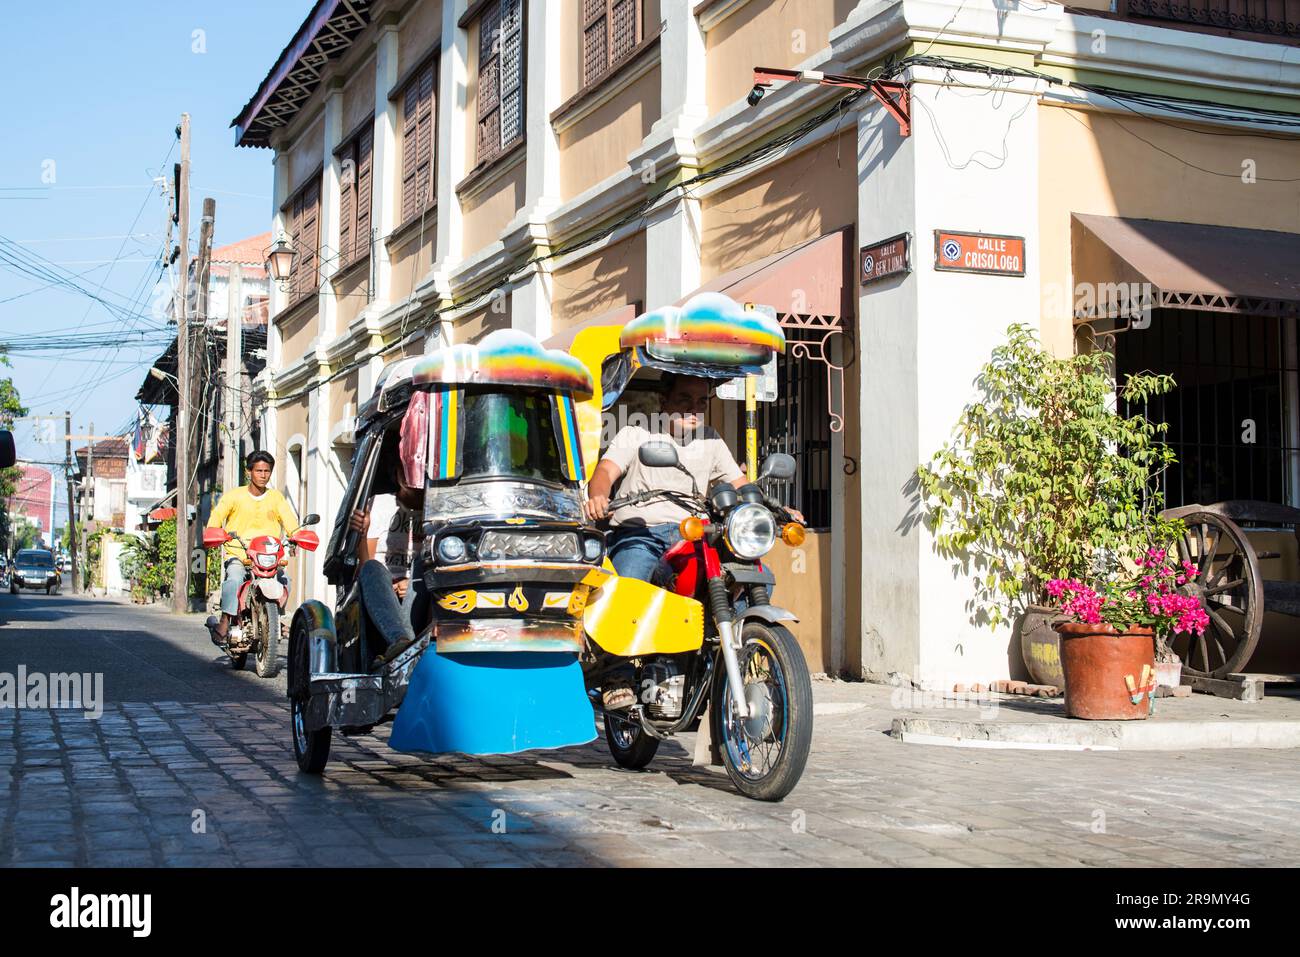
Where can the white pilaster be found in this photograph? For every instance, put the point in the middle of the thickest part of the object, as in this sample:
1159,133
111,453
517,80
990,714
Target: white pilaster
453,91
682,75
385,175
331,198
672,243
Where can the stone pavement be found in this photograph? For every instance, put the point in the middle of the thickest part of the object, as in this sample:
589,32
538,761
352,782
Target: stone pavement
211,782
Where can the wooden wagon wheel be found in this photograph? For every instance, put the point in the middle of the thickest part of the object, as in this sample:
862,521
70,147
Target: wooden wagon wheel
1229,588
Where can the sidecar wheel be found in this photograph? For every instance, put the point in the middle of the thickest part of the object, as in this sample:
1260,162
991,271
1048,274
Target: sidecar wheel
632,748
765,754
310,748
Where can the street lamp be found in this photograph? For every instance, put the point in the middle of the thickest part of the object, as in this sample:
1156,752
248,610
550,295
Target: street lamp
280,259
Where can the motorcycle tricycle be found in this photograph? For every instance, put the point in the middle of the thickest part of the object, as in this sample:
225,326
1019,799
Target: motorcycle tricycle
514,616
263,596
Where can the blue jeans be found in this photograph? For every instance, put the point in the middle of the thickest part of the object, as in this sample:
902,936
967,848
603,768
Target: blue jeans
235,573
637,551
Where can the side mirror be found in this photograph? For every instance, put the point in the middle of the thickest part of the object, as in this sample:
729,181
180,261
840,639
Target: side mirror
311,519
658,455
215,537
8,454
778,466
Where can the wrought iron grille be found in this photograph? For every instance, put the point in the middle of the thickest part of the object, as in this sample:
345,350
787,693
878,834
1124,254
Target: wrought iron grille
1229,413
798,422
1279,18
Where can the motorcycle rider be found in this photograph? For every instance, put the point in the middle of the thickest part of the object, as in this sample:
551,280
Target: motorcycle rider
248,511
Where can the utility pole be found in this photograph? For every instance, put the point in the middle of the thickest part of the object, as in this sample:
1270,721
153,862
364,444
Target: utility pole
181,583
201,397
72,514
234,376
88,503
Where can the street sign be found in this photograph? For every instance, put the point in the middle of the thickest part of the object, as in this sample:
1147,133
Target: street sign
987,253
735,388
889,257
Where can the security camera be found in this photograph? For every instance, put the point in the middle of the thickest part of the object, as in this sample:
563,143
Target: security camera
756,94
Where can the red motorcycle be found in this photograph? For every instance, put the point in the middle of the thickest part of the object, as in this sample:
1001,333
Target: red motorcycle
263,595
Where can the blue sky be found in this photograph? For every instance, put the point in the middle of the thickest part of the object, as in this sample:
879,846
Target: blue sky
93,93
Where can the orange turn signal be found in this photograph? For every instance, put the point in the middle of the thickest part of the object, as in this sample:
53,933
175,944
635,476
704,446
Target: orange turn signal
692,529
793,534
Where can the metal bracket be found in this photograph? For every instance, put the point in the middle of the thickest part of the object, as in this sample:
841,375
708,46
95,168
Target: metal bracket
893,96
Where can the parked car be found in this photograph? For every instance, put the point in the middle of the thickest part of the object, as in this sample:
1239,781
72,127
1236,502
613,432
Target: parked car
34,569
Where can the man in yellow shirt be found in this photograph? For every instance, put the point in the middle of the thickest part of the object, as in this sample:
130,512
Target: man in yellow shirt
248,511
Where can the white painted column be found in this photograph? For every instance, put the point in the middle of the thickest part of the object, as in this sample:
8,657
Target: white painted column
673,234
530,299
330,208
278,298
887,415
385,159
682,75
672,243
453,78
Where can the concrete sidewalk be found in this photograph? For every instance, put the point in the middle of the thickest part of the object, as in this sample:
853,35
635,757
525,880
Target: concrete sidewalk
995,720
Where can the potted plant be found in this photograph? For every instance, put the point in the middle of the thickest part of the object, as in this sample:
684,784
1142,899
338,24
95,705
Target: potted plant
1044,479
1109,640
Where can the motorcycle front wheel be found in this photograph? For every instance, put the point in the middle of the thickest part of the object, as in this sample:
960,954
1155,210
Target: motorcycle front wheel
267,639
765,753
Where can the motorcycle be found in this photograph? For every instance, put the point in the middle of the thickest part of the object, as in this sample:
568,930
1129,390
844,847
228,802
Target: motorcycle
514,616
748,676
262,596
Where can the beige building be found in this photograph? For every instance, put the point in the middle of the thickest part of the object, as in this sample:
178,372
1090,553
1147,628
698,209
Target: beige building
447,168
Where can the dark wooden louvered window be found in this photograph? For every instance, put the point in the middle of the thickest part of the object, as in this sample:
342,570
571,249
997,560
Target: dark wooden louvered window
419,119
354,197
500,110
611,30
303,215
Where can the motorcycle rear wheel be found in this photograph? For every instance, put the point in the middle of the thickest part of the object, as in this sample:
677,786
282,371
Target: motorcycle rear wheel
765,755
631,747
267,639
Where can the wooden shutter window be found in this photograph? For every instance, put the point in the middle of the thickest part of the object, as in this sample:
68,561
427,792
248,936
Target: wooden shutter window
595,40
500,106
418,119
354,198
347,206
361,229
306,238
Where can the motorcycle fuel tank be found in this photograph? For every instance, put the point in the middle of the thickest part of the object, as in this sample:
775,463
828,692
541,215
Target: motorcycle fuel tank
494,703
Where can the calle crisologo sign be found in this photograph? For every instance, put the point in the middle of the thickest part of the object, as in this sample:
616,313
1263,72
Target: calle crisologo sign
987,253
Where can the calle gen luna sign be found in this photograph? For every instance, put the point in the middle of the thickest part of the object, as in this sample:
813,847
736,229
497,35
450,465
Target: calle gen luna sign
987,253
889,257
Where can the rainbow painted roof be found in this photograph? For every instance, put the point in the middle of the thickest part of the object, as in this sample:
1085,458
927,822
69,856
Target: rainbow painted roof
710,329
504,357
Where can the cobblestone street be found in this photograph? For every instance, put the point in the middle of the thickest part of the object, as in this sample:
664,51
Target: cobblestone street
192,765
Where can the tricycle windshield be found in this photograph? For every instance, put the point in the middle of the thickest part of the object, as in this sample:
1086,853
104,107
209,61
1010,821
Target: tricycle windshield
510,435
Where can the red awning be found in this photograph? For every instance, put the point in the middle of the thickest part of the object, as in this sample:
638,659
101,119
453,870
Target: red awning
807,279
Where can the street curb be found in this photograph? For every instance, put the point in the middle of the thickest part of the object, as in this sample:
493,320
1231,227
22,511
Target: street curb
1099,735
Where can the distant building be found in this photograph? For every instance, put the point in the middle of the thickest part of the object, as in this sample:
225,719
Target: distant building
33,499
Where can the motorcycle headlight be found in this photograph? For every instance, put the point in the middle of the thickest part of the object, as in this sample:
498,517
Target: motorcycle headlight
266,561
591,548
751,531
451,549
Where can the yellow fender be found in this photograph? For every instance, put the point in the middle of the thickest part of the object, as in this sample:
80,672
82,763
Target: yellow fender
630,618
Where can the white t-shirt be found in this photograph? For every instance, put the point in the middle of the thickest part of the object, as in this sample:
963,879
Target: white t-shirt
393,525
705,456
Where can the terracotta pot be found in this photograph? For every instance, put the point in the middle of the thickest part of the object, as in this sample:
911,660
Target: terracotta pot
1040,645
1096,660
